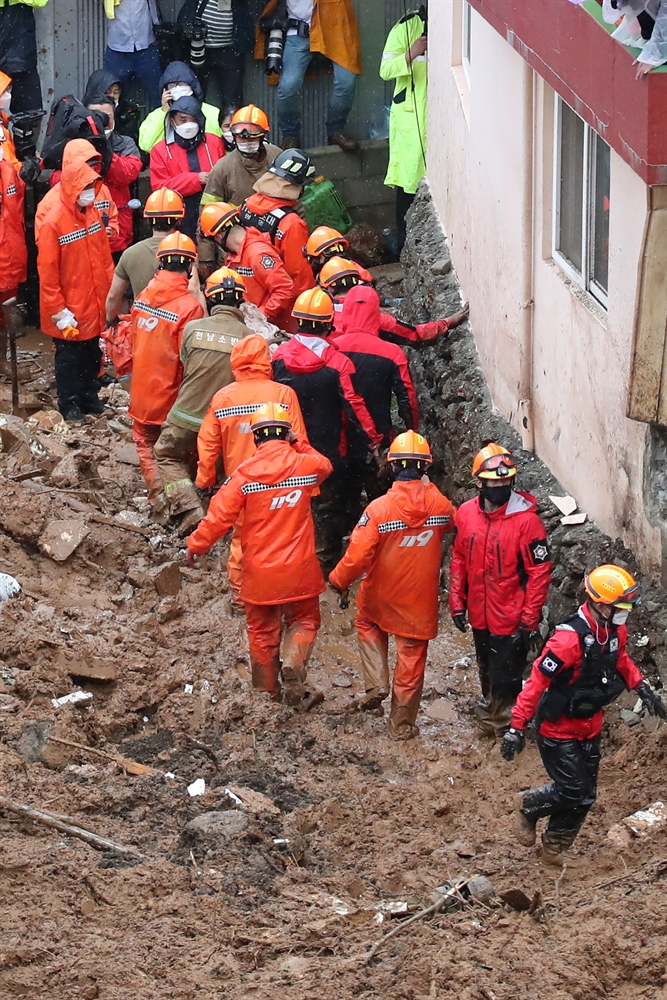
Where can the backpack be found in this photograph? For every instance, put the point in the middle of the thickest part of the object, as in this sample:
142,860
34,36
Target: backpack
70,119
268,223
117,345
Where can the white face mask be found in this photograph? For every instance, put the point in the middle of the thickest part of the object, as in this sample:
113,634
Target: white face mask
620,617
188,130
108,132
86,198
5,100
228,136
248,147
180,90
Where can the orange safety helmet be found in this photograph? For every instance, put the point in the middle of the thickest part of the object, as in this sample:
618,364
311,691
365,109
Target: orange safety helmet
176,246
411,447
611,584
225,281
494,462
164,204
218,216
314,306
250,119
339,273
325,240
270,415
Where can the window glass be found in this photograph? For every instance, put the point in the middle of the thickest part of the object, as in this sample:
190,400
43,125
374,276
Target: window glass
600,208
571,184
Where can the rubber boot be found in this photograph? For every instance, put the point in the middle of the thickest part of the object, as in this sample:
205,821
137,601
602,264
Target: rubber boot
297,694
554,847
372,700
525,827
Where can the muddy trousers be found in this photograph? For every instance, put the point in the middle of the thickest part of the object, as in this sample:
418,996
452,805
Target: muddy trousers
77,365
330,518
573,768
501,660
144,437
408,674
301,621
174,451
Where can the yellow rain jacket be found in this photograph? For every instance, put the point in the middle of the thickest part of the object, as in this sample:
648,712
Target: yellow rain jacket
407,120
333,31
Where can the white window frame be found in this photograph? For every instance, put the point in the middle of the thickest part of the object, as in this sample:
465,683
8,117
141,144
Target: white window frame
585,280
466,37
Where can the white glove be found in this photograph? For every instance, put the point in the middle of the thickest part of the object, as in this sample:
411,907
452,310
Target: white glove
64,319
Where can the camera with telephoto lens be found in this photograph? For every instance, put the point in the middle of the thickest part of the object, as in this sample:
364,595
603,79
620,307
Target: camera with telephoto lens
275,45
196,32
25,129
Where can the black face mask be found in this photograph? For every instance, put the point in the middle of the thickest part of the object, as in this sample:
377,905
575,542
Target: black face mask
497,495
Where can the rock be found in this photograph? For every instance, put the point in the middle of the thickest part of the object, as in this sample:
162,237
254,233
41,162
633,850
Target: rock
251,801
16,441
215,826
75,468
35,747
640,824
94,668
441,266
442,710
629,718
148,625
9,704
481,889
127,452
44,612
341,681
166,579
168,610
517,899
61,538
46,420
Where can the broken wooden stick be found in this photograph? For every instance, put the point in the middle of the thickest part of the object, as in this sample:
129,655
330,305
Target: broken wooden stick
439,903
131,766
49,819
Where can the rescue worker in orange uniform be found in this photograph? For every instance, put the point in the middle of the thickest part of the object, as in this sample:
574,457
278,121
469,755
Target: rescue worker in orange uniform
104,203
206,349
324,243
267,283
500,575
397,548
583,668
158,319
282,580
75,271
272,210
226,427
14,256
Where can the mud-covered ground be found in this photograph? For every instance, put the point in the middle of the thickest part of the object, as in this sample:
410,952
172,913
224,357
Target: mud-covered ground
288,893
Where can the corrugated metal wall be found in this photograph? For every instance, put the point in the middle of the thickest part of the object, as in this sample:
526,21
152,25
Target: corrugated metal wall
78,40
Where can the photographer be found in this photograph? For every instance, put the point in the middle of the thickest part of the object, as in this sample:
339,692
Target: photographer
131,49
223,34
177,81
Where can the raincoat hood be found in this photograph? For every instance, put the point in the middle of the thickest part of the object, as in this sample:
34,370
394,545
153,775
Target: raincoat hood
98,84
77,174
166,286
180,72
273,187
4,81
190,106
361,311
273,462
251,358
305,355
414,502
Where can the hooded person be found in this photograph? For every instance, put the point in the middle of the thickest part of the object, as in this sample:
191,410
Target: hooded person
75,270
124,169
14,257
104,83
104,203
183,160
177,81
226,432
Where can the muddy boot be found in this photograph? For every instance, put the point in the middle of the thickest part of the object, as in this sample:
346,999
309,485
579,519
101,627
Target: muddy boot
189,521
236,606
552,852
402,732
525,827
297,694
483,719
372,700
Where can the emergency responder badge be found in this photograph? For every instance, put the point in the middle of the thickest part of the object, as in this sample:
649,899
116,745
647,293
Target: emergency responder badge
613,645
363,520
550,664
540,551
267,262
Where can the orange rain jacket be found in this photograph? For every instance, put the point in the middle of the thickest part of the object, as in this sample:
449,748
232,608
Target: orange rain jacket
272,491
398,544
335,33
14,255
74,260
291,237
10,148
226,427
158,319
267,283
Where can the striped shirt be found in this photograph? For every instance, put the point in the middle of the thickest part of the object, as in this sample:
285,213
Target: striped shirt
220,24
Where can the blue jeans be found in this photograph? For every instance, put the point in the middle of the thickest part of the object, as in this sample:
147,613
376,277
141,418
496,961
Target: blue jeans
144,63
295,63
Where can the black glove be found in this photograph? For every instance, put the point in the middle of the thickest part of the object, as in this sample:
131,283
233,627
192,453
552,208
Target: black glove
459,620
513,742
30,169
650,700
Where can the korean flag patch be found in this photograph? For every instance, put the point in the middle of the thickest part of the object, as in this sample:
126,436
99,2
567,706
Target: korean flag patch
267,262
550,664
540,551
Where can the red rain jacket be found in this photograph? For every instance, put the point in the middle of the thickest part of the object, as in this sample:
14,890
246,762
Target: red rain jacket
564,651
396,331
170,166
74,260
14,256
272,492
398,545
381,369
501,567
321,376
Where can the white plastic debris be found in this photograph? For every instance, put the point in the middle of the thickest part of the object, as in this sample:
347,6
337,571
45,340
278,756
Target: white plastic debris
9,586
566,505
574,518
279,841
75,698
198,787
643,640
235,799
639,824
189,688
169,774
